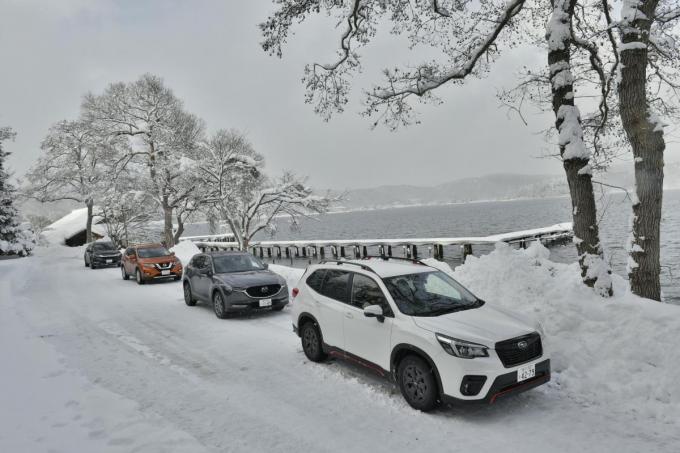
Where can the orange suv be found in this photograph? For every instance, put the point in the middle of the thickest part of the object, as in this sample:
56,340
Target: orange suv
150,262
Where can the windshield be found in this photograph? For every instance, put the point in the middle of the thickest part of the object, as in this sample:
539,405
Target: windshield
103,246
429,294
236,263
152,252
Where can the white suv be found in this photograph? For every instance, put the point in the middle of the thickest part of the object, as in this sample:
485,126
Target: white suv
417,325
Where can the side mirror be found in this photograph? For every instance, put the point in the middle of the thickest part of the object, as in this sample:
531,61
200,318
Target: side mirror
374,311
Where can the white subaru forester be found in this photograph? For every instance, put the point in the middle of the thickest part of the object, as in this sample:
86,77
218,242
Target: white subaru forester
417,325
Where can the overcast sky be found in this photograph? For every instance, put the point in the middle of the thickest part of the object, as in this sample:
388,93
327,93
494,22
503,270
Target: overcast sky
208,52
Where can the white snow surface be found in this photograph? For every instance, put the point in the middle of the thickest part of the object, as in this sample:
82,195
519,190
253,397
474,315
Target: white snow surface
94,363
185,250
70,224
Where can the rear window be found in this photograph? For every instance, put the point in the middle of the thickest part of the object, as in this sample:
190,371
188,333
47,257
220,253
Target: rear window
336,285
315,280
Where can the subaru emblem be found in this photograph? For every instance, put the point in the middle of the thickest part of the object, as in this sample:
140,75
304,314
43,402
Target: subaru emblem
522,344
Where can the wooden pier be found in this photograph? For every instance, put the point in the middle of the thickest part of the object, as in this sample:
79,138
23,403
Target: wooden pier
358,248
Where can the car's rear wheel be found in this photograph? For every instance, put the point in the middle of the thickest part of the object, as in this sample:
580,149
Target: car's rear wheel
417,383
123,273
218,306
138,277
188,297
311,342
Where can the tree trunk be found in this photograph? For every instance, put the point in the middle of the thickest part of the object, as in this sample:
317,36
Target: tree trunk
88,225
180,229
646,139
168,237
594,270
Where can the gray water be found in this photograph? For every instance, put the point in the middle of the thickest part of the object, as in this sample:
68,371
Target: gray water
485,218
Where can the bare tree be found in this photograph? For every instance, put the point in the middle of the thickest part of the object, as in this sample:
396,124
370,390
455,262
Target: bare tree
469,36
648,89
74,164
160,133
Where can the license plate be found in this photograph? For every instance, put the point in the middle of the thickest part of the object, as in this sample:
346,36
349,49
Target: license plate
265,303
109,261
526,372
165,272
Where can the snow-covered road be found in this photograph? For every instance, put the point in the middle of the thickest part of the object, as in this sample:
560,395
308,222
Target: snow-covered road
94,363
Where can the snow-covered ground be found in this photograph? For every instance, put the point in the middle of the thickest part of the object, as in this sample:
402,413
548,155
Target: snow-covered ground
94,363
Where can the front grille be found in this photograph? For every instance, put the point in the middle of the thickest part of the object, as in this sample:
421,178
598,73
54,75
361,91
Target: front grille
511,353
163,266
263,291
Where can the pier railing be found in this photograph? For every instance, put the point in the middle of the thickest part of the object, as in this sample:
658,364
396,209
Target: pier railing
409,247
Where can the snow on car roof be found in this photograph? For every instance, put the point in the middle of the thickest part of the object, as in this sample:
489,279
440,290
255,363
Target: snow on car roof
391,268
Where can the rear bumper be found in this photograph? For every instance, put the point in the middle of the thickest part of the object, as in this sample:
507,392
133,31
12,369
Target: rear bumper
506,384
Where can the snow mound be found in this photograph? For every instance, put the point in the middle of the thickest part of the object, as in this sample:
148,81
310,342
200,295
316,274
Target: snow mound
291,274
185,250
619,352
69,225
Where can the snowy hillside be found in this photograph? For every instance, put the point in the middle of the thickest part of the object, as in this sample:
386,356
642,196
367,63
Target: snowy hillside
106,365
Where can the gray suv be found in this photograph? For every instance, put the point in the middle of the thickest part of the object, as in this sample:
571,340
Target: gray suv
233,282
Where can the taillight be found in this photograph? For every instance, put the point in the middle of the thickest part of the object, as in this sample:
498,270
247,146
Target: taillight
295,292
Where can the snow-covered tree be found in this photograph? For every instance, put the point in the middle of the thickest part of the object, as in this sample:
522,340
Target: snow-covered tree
258,200
469,37
161,135
649,90
75,164
14,238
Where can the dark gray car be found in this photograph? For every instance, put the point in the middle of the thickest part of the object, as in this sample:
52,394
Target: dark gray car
101,254
233,282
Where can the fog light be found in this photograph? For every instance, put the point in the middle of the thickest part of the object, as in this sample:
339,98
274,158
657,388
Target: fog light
472,385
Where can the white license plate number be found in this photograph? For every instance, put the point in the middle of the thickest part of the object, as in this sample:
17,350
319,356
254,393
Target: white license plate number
526,372
265,303
109,261
165,272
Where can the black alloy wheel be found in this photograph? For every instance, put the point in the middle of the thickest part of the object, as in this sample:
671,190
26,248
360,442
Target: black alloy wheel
311,342
188,297
218,306
417,383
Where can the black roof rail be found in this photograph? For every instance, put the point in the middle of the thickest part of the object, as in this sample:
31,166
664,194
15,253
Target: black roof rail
387,258
339,262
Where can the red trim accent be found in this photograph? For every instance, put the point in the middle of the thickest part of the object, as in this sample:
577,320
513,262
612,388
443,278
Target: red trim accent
518,386
295,292
346,355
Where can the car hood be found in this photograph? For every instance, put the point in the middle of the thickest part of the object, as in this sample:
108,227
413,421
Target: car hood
486,324
250,278
107,253
158,259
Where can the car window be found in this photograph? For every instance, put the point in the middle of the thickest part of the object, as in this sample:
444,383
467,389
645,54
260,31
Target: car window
336,285
198,261
365,292
315,280
238,262
103,246
130,251
152,252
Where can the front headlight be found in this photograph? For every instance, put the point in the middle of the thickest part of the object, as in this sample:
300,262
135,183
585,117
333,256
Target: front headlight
149,266
461,348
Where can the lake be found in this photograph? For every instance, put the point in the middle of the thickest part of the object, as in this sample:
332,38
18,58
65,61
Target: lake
485,218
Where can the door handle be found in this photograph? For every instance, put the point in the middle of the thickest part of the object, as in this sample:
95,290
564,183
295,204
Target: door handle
349,315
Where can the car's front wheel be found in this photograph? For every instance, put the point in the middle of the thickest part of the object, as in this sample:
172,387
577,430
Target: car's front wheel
311,342
417,383
123,273
188,297
218,306
138,277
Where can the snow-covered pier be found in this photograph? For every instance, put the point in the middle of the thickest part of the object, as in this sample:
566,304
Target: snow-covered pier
357,248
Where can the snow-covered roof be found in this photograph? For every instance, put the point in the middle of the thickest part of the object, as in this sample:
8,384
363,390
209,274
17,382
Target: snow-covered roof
391,268
70,225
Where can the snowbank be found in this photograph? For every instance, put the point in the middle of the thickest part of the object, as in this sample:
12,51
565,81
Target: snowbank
291,274
185,250
69,225
620,352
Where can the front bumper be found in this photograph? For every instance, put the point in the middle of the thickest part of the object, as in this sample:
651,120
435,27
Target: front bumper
238,301
104,260
506,384
153,273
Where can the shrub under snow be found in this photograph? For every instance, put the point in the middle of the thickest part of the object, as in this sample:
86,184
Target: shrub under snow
620,352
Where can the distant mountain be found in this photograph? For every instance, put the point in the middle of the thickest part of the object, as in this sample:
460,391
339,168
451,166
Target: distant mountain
490,187
495,187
